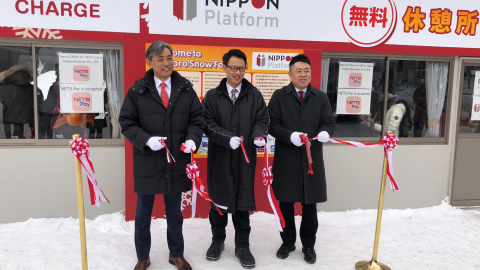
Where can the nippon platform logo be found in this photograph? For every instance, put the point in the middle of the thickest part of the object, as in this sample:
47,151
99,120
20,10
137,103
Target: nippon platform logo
185,9
368,24
271,61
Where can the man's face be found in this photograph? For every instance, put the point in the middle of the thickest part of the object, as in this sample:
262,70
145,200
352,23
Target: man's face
234,78
162,64
301,75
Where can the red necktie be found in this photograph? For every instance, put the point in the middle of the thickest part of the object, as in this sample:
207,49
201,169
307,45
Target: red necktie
301,96
164,95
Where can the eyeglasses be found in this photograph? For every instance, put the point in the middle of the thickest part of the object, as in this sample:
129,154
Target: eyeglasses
234,69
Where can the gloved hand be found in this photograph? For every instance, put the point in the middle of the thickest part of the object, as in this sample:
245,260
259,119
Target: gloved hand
154,143
235,142
323,137
259,141
189,146
295,138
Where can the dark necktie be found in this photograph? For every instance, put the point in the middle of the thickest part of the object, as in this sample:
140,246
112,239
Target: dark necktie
233,95
301,96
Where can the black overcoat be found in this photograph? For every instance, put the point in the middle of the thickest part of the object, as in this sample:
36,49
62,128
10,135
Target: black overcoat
143,115
230,178
291,183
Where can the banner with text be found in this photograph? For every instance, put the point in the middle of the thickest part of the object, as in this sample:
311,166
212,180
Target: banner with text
476,97
267,69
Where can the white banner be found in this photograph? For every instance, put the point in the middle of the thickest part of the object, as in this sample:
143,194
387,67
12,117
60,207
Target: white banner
81,83
353,101
86,15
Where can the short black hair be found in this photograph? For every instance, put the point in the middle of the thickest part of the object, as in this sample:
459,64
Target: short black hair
299,58
234,52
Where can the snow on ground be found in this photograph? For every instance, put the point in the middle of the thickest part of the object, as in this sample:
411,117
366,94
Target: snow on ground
440,237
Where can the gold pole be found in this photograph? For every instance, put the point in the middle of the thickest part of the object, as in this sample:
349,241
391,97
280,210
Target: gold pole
374,264
81,213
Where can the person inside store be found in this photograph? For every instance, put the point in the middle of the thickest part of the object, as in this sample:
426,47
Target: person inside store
235,114
17,99
161,112
299,109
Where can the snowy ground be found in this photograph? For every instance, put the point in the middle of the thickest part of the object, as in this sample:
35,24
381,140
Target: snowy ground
440,237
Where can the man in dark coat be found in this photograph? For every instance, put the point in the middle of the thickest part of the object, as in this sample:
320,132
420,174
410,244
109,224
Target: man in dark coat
232,110
299,108
16,96
161,107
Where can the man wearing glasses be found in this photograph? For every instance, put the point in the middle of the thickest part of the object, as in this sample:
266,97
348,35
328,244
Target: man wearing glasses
296,109
235,114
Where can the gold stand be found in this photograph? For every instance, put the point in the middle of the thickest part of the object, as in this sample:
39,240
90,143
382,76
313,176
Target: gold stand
81,212
374,264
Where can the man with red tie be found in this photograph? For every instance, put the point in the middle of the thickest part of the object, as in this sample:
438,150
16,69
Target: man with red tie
299,109
160,113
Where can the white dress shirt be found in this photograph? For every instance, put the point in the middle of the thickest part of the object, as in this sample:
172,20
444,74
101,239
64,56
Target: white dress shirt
229,89
304,92
168,88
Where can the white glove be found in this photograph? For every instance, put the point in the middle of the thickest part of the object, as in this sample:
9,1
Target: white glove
190,147
259,141
235,142
295,138
155,144
323,136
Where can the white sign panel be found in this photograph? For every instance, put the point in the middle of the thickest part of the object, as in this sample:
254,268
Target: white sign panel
476,108
476,84
353,101
81,83
355,75
87,15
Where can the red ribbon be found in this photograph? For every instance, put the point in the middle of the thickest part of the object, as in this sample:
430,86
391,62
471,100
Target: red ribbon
244,152
304,140
197,186
81,150
390,142
168,152
267,181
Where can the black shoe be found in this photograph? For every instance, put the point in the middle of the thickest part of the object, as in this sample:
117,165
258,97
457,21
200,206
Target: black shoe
310,255
284,250
215,250
245,256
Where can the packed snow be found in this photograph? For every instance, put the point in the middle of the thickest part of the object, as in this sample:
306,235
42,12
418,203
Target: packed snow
439,237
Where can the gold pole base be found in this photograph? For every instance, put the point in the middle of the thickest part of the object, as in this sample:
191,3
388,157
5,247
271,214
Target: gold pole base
371,265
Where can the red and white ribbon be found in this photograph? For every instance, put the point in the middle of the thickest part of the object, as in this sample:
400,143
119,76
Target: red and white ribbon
81,149
169,155
307,143
197,186
390,142
267,181
243,148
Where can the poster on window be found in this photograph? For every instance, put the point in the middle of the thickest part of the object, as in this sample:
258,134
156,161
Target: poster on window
353,101
476,108
355,75
81,83
476,84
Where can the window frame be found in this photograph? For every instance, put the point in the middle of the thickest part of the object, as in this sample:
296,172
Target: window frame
465,62
388,57
71,44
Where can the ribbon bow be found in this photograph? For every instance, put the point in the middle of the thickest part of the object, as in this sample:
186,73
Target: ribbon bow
197,186
81,150
390,142
267,181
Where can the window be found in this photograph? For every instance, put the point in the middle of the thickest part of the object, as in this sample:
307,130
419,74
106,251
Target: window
410,99
40,108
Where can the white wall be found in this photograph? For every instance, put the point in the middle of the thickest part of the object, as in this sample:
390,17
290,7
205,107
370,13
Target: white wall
41,183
